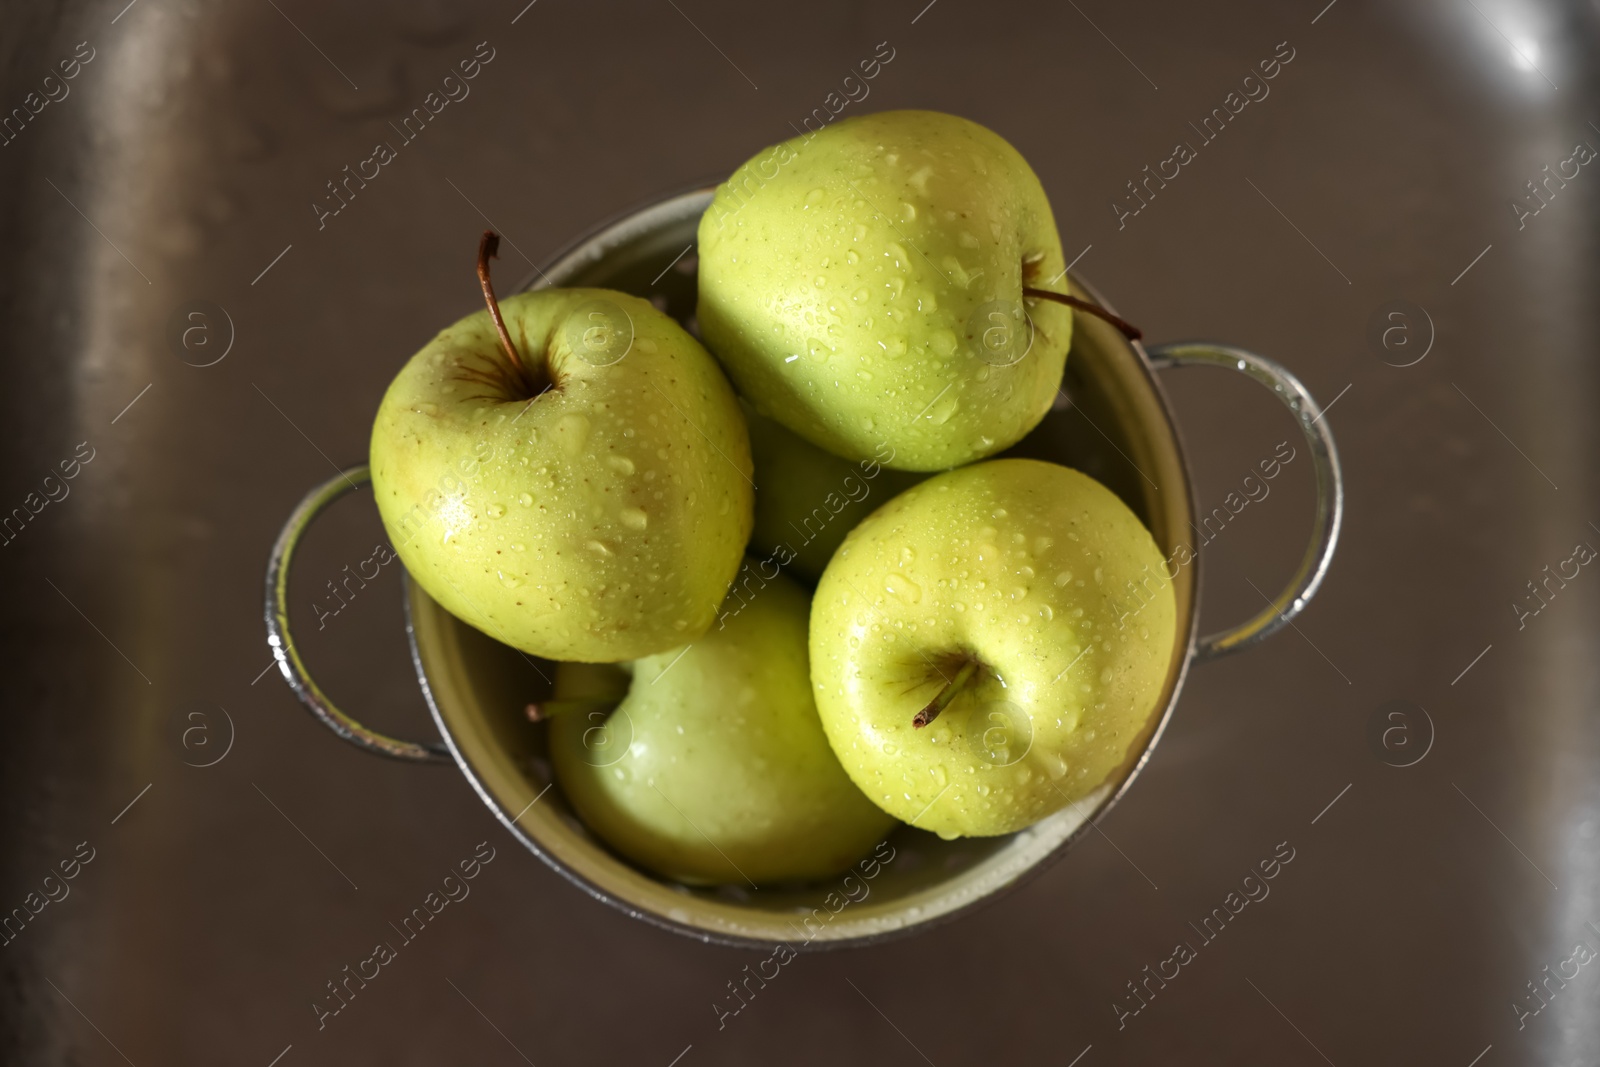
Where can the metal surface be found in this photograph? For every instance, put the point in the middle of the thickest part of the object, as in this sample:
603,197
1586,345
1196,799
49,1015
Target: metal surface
285,651
476,700
1444,847
1307,579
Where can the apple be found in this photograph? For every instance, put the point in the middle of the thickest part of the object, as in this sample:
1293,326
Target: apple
985,646
864,286
569,472
807,499
707,764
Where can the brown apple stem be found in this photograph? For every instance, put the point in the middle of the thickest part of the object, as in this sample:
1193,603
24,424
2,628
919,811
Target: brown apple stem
1129,330
946,695
545,710
489,248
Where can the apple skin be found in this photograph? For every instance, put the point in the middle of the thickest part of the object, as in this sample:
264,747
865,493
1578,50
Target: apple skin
1027,568
808,499
726,774
601,521
856,330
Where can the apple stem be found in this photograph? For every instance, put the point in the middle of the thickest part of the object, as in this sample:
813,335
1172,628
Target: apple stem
489,248
545,710
1129,330
946,695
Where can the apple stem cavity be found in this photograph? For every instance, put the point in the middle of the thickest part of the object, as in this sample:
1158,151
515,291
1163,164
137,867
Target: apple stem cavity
545,710
489,248
1129,330
945,695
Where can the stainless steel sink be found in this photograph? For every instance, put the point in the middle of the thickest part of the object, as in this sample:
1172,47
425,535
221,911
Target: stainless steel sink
195,334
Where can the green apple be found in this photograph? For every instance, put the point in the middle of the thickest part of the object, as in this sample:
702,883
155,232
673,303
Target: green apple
1025,611
714,768
863,285
589,499
807,499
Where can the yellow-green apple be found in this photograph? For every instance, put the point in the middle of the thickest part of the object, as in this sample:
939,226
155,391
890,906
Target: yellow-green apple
571,477
807,498
712,766
986,645
864,284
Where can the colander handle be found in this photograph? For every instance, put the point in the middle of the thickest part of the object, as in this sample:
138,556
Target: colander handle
281,639
1330,486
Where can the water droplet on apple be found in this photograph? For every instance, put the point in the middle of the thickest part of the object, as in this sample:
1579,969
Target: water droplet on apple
944,410
621,464
1046,613
634,518
510,581
814,197
518,546
427,407
598,548
496,510
902,587
573,432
